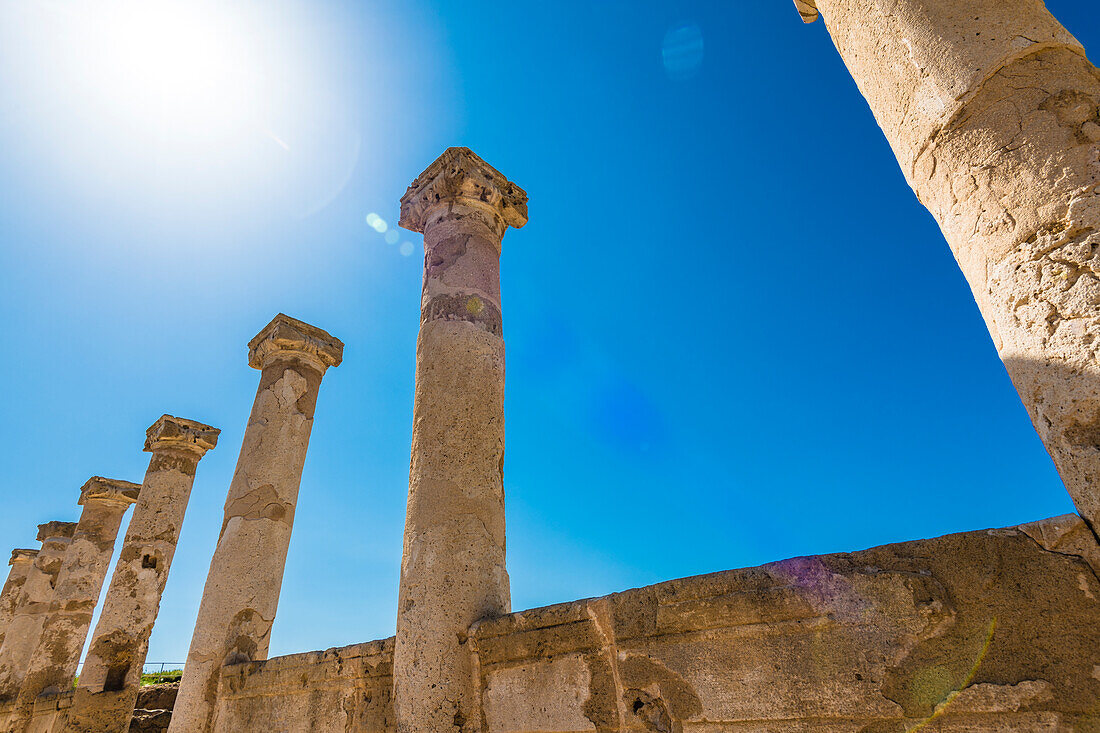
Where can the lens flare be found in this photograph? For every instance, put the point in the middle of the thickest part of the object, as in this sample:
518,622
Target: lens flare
682,51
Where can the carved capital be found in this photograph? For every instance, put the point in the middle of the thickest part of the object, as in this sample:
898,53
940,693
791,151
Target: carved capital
289,338
176,433
459,175
18,556
56,531
109,490
807,9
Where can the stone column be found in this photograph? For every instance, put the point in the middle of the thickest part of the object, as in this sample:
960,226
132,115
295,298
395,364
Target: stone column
991,109
108,685
246,573
452,565
26,624
54,662
20,562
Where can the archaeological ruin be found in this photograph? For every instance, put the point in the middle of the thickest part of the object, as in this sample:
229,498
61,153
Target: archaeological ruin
993,112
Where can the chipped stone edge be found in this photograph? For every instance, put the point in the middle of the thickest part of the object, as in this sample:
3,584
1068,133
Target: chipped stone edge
170,432
288,337
22,555
56,530
438,185
99,488
1052,534
808,10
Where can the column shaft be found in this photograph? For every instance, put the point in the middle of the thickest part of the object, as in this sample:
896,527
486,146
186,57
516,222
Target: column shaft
453,562
246,573
991,109
20,562
25,628
108,686
79,581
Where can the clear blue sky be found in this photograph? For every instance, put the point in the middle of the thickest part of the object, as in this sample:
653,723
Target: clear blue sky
733,334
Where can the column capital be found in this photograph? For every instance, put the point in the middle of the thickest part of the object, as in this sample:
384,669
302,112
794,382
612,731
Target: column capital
177,433
287,337
459,175
56,530
22,556
807,9
108,490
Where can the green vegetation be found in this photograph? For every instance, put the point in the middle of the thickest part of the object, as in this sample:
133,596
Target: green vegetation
168,675
155,678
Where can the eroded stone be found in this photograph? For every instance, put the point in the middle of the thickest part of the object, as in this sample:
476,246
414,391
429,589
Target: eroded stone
246,573
453,563
110,680
20,562
990,108
31,606
54,662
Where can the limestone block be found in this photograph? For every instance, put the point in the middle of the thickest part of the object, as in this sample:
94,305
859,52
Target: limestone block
336,689
968,633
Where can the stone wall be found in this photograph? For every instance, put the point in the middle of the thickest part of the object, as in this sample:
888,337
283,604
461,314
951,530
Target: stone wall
872,642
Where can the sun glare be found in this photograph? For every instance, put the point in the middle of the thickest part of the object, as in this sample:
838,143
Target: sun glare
200,101
187,66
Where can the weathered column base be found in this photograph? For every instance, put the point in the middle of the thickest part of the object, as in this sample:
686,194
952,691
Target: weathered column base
101,712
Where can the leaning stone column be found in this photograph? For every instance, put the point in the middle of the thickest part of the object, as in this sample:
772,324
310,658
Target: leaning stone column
108,685
992,111
452,566
54,662
20,562
246,573
26,624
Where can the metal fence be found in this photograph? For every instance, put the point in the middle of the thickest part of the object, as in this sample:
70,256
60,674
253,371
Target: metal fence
150,667
161,667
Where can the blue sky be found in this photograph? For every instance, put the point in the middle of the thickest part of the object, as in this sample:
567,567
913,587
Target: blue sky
733,334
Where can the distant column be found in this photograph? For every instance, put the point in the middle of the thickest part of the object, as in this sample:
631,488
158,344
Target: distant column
53,664
109,681
452,567
26,624
20,562
246,573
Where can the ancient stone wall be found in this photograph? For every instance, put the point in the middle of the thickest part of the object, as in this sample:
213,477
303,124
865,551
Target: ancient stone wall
978,631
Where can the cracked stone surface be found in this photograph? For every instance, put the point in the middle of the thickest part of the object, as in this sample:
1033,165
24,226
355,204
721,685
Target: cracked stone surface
976,632
453,560
20,562
992,110
110,679
31,606
246,573
69,615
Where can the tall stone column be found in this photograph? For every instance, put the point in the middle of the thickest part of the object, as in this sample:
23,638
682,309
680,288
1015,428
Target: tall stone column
20,562
246,573
76,592
991,109
452,565
25,628
108,685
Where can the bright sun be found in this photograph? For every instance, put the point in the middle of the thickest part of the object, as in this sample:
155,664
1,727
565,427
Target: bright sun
197,98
